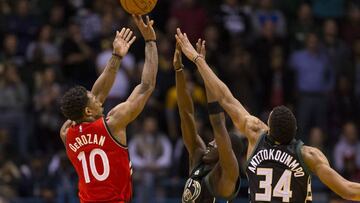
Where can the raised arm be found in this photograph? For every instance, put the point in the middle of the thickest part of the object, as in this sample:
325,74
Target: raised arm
124,113
192,140
227,172
220,91
319,165
102,86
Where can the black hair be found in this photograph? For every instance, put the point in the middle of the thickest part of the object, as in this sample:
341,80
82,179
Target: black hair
74,102
282,123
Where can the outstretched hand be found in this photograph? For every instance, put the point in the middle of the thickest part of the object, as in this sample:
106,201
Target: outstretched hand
177,62
186,47
146,29
123,40
200,47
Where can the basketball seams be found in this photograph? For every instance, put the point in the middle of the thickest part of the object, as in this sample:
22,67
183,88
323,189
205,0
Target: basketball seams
139,7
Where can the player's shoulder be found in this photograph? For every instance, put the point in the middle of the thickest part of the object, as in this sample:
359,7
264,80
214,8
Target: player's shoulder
313,157
310,152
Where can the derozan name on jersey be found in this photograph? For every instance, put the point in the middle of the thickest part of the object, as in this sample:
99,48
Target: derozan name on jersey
279,156
85,140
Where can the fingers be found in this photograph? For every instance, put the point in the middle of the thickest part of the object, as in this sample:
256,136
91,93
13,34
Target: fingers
122,32
198,45
128,37
127,31
132,40
138,20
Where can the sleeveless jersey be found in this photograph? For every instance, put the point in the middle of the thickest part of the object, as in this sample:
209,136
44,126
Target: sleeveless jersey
102,164
277,173
197,188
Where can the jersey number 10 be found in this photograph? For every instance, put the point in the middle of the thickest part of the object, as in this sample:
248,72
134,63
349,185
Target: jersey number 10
281,189
95,173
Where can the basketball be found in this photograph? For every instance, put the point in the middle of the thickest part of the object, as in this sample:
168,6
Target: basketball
138,7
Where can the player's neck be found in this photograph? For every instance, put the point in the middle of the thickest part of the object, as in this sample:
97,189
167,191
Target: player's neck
86,120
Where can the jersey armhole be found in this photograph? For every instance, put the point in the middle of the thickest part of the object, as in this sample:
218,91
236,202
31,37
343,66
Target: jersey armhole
299,145
111,135
231,197
254,150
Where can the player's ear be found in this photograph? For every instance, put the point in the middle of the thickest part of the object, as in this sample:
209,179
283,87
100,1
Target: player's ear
88,112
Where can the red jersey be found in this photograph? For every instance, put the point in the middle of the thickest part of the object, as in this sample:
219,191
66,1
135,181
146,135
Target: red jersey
102,164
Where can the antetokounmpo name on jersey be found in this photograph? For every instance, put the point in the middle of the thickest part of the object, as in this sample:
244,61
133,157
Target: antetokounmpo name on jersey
279,156
87,139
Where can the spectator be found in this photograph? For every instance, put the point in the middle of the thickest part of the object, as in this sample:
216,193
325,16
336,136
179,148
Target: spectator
261,48
34,181
347,146
338,52
77,67
317,139
11,51
48,119
242,74
343,104
23,24
14,98
304,24
267,13
90,24
314,81
63,178
9,177
43,52
233,19
351,28
279,85
151,157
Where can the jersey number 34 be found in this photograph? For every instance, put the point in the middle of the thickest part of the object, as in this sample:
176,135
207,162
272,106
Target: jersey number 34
93,169
281,189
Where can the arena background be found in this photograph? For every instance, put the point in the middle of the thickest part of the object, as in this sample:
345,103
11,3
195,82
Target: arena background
303,54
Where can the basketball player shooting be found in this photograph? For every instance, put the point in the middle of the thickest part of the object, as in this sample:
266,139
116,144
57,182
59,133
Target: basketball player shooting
95,144
279,166
214,170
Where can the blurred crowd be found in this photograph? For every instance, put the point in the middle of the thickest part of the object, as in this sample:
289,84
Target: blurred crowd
304,54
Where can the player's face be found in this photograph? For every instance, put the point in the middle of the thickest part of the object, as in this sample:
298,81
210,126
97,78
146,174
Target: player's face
211,155
95,106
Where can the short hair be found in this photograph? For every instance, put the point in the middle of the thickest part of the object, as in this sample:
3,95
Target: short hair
73,103
282,124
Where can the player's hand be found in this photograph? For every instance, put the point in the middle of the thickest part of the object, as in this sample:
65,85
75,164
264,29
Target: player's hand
177,62
186,47
65,128
123,40
146,29
200,47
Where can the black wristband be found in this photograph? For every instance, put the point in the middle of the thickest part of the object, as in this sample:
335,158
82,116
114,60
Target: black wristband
215,108
117,55
150,40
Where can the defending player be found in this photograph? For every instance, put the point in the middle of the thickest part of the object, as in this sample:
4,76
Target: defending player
95,145
279,166
214,170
